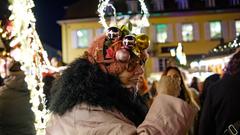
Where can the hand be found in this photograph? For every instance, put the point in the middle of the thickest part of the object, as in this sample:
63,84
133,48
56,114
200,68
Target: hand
168,85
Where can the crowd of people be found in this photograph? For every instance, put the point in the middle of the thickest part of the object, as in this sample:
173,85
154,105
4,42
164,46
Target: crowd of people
105,92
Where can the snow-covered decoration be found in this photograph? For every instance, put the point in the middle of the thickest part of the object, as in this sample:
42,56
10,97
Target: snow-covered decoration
31,55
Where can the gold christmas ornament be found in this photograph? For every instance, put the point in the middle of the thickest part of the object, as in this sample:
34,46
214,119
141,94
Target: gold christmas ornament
142,41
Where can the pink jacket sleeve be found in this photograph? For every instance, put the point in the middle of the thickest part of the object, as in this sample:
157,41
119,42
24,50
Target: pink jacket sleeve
168,116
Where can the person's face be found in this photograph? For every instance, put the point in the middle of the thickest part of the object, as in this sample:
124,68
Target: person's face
130,78
174,74
54,62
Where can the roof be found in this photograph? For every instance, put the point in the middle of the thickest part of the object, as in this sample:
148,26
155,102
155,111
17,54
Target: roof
81,9
88,8
4,12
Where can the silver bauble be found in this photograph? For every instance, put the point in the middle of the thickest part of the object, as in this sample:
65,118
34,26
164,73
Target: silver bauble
122,55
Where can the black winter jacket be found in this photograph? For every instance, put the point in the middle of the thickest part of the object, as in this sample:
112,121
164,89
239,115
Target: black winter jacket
16,116
221,107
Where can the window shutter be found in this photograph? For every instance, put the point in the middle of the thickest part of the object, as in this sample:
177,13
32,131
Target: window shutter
224,25
74,39
162,64
170,33
232,29
207,31
153,34
155,64
196,31
179,32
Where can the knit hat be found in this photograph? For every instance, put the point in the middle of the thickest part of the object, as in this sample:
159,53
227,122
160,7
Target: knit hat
118,49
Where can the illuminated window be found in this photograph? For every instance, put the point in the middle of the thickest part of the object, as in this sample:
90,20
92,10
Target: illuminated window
237,26
161,32
83,38
187,32
215,29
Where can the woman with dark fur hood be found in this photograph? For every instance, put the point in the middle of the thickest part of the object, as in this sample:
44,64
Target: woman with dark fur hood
96,95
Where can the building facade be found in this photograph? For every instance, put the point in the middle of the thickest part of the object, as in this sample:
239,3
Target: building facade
198,31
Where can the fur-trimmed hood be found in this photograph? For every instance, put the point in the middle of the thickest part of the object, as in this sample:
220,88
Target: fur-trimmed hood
84,82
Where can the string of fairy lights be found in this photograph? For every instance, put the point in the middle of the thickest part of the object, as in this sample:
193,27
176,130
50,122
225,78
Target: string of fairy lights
228,46
103,4
30,54
214,63
138,23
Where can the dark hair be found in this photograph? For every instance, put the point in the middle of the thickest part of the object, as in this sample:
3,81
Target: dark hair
183,93
15,67
194,83
233,66
209,81
48,81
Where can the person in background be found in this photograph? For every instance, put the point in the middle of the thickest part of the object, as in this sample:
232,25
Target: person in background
209,81
55,62
194,83
16,116
56,67
96,94
221,112
184,93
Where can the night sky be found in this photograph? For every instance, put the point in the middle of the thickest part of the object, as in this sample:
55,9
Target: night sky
47,13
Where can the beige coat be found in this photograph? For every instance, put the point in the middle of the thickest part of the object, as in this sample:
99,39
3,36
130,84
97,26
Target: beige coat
167,116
